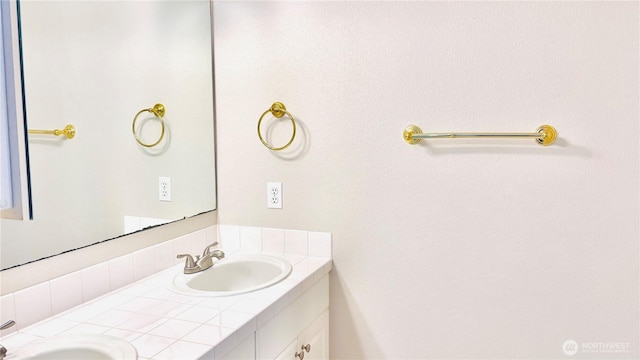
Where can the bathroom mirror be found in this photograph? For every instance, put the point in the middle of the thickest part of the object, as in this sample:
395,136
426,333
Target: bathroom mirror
95,65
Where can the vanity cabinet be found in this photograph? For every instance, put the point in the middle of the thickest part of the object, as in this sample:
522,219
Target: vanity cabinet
304,322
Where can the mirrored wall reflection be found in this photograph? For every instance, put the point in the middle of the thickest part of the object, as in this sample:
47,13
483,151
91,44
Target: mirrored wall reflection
15,199
96,65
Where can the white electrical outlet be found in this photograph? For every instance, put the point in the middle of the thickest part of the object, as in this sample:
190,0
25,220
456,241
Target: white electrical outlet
164,188
274,195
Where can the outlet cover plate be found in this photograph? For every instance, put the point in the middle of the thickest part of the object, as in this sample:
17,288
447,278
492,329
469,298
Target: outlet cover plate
274,195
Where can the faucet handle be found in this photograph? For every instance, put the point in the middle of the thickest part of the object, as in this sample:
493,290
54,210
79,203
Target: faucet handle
208,249
189,262
7,325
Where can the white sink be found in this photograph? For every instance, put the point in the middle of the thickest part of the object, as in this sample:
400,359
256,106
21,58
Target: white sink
232,276
76,347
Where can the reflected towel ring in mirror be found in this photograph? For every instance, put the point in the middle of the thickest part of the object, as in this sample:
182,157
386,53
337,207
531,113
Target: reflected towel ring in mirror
157,110
278,110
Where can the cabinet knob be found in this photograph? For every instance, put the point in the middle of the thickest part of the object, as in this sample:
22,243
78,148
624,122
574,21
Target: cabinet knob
304,348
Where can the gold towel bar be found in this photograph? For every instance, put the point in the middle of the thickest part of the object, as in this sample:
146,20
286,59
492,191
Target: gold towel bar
69,131
544,135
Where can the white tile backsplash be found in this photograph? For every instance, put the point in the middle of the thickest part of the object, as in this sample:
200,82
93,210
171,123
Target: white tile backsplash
66,292
121,271
273,241
139,311
32,304
319,244
95,281
144,263
295,242
165,255
211,234
193,243
229,238
250,240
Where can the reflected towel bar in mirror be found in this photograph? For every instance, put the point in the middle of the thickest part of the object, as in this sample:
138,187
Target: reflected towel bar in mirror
544,135
69,131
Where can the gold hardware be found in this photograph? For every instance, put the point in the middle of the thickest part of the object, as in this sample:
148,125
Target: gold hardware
549,135
278,110
306,348
69,131
158,110
544,135
300,355
408,133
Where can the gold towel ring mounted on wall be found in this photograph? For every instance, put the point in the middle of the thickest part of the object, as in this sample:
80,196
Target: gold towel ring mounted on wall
158,110
278,110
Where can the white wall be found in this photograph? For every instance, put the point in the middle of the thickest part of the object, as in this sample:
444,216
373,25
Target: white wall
454,248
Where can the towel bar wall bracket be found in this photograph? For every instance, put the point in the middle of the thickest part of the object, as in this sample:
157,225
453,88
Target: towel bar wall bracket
544,135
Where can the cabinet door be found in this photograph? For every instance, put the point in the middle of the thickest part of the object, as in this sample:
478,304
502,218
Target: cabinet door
278,333
289,352
316,337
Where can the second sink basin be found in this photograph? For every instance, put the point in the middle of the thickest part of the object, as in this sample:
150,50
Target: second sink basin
77,347
232,276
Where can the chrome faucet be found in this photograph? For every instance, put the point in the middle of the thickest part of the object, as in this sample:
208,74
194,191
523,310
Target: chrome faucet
199,263
3,350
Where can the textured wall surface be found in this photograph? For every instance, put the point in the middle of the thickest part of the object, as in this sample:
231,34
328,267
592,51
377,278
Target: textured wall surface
453,248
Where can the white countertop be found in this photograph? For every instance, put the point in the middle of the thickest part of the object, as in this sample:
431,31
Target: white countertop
164,325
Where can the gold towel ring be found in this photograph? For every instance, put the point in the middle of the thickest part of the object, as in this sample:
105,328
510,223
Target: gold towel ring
278,110
157,110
